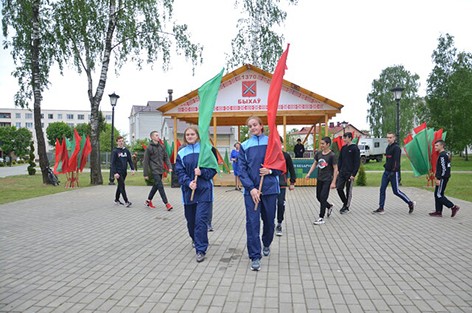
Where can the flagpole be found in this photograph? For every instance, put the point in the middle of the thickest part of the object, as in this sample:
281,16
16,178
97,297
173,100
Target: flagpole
260,191
193,190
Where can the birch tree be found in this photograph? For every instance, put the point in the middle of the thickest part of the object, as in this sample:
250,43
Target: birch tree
95,35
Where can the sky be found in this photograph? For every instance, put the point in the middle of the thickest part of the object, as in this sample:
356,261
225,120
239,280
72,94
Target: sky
337,49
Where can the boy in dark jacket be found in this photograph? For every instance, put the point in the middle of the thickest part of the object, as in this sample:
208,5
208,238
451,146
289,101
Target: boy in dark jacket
443,173
392,175
348,164
154,158
120,158
283,182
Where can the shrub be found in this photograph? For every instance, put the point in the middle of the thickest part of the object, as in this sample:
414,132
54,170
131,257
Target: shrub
32,165
361,177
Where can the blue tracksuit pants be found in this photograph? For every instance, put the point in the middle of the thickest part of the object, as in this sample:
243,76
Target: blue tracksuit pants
197,218
265,211
393,178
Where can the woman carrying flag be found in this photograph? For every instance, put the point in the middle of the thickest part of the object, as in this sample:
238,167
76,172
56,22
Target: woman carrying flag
199,181
259,205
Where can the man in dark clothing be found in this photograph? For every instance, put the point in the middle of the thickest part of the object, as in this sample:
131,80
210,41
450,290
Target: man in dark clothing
299,149
443,173
154,158
392,175
348,164
120,158
283,188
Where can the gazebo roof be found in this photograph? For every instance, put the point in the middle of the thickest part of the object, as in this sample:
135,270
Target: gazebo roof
243,93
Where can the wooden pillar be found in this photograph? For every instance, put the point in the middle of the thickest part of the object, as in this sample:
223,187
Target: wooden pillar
285,133
326,124
214,131
175,140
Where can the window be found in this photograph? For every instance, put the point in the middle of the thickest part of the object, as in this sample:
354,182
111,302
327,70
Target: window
50,116
42,115
18,124
5,115
5,124
59,116
80,116
108,117
70,116
376,144
29,124
71,124
28,116
18,115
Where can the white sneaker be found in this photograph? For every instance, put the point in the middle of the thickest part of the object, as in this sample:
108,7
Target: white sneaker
319,221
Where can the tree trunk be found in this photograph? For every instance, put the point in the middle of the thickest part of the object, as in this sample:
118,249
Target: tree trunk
36,86
96,171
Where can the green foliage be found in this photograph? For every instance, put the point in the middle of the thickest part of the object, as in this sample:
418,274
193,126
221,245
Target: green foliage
449,93
361,177
137,145
105,138
257,42
15,140
32,165
83,129
58,130
382,113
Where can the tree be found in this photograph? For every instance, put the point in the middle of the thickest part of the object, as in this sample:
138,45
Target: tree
105,138
14,141
382,112
257,42
32,165
90,32
32,51
58,130
449,97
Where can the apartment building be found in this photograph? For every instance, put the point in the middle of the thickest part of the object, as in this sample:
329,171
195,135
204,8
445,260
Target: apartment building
24,118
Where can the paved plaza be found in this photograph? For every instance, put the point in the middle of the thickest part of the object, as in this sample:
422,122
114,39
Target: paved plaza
78,252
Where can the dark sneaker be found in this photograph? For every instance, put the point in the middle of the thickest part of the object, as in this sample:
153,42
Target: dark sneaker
344,210
128,204
454,210
210,228
437,214
169,206
266,251
256,265
118,202
319,221
149,204
379,211
200,257
411,207
330,210
278,230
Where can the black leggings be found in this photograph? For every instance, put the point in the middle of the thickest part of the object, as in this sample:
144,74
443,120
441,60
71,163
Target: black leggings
322,194
158,185
120,189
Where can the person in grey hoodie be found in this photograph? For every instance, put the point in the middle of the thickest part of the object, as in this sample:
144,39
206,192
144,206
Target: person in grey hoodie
155,157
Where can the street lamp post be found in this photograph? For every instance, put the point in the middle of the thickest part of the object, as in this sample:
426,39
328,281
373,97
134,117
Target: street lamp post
397,95
344,125
113,100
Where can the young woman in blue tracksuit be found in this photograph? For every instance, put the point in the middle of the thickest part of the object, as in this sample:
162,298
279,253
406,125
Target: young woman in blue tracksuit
258,205
196,210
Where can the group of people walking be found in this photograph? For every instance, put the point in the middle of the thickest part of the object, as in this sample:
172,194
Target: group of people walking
264,189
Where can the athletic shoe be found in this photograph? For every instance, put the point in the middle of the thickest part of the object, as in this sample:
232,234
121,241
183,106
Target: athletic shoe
256,265
118,202
266,251
169,206
278,230
200,257
379,211
128,204
210,228
454,210
344,210
330,210
411,207
437,214
319,221
193,244
149,204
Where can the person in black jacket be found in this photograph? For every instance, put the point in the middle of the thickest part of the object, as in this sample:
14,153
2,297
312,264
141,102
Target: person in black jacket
391,175
348,164
120,158
443,173
299,149
283,182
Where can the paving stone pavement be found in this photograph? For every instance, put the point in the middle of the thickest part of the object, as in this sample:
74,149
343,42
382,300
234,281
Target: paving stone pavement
78,252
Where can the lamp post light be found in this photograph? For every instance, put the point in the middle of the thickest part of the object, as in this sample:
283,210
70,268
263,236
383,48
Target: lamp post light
344,125
397,95
113,100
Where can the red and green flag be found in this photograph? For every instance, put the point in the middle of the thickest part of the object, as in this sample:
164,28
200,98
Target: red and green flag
274,158
75,148
207,94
